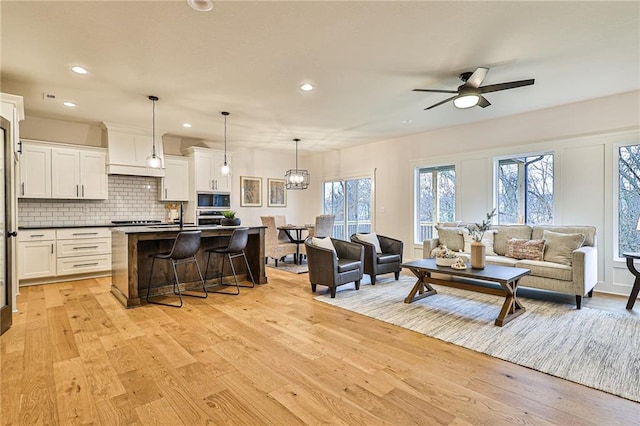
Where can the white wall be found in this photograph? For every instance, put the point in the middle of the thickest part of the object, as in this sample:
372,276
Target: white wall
582,136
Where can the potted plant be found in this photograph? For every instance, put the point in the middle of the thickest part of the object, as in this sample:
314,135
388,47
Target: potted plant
478,250
229,218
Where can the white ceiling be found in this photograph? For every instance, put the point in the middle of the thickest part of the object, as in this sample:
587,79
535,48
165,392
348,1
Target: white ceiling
364,57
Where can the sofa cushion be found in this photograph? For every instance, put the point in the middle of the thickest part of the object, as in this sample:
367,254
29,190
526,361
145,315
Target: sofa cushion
388,258
525,249
589,232
487,240
345,265
450,237
559,247
371,238
505,232
543,269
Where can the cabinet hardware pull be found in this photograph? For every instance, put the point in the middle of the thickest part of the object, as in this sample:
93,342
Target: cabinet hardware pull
82,191
85,247
20,149
85,264
85,233
165,193
22,188
36,235
77,190
51,248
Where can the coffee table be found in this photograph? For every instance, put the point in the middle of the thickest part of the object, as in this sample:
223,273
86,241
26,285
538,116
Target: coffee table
470,279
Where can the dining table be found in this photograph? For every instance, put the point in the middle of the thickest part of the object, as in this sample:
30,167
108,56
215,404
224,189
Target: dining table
294,233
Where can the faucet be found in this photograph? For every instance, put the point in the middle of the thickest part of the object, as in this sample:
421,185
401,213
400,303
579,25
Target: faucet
181,216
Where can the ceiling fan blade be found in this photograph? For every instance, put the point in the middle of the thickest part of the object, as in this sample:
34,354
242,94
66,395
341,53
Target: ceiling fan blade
476,79
442,102
504,86
483,102
435,91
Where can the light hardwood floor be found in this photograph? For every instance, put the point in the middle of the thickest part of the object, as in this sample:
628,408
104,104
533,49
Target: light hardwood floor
271,355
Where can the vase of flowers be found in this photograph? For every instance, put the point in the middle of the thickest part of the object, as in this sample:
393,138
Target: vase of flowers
478,249
229,219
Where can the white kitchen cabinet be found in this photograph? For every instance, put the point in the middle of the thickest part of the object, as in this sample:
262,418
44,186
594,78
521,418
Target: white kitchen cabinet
206,165
50,255
174,185
35,171
62,172
36,253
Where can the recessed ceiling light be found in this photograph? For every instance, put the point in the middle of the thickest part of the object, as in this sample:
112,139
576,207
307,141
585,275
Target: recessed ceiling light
406,121
201,5
80,70
186,125
306,87
69,104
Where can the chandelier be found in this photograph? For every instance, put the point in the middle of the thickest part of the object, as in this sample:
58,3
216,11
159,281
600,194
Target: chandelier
297,178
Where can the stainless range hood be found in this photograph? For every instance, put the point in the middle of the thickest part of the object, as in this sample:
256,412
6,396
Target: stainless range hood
129,148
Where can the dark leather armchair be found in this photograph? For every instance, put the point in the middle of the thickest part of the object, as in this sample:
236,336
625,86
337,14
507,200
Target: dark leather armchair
381,263
325,268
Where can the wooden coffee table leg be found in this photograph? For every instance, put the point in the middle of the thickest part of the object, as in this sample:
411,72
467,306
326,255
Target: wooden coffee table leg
421,286
511,308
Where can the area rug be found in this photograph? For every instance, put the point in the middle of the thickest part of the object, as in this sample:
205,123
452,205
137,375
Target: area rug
289,267
592,347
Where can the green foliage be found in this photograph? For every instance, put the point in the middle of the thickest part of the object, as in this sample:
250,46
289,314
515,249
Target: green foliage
478,229
229,214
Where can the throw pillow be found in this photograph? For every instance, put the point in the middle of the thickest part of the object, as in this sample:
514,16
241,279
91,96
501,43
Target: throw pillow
371,238
323,243
560,247
525,249
487,240
450,236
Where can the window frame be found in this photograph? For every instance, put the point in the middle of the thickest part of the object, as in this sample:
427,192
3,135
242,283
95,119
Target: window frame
616,254
416,195
496,182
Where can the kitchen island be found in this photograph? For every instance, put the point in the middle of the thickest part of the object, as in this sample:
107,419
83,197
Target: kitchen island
131,248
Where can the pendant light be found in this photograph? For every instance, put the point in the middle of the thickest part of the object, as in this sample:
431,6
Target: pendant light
154,161
225,170
297,178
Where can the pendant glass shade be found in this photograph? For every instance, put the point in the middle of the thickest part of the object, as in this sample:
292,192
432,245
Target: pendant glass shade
154,161
225,170
297,178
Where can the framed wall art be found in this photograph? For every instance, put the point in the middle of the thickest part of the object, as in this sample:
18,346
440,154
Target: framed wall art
250,191
277,193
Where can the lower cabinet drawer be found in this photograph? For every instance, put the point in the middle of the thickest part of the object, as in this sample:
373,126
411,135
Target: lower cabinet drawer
84,264
69,248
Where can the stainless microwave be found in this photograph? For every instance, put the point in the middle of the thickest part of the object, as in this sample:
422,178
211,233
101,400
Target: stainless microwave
214,200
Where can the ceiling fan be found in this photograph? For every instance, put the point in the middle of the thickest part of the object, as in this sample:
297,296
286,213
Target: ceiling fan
469,93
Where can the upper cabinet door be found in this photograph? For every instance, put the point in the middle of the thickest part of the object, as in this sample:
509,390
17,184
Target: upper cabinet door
65,173
35,172
204,171
175,183
220,182
93,175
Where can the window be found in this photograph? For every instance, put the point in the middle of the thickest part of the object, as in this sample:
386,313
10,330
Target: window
435,198
525,190
628,198
350,199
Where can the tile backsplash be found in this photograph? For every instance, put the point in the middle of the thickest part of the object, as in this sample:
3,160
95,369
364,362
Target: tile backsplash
130,198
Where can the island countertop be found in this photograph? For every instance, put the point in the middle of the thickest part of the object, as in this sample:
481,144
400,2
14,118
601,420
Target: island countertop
131,247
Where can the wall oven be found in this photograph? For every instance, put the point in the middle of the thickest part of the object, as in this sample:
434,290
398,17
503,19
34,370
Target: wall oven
214,200
208,217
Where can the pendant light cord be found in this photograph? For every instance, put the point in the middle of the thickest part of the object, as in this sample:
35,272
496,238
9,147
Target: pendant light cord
153,127
225,139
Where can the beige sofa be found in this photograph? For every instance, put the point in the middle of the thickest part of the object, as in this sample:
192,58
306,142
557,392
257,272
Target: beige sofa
577,275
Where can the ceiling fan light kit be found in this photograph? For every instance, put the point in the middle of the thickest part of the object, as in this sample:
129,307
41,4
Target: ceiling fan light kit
469,93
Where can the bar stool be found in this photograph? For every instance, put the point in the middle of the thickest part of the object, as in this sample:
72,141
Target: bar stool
235,248
184,250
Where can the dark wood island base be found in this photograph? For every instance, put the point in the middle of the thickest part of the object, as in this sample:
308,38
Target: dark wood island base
131,248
